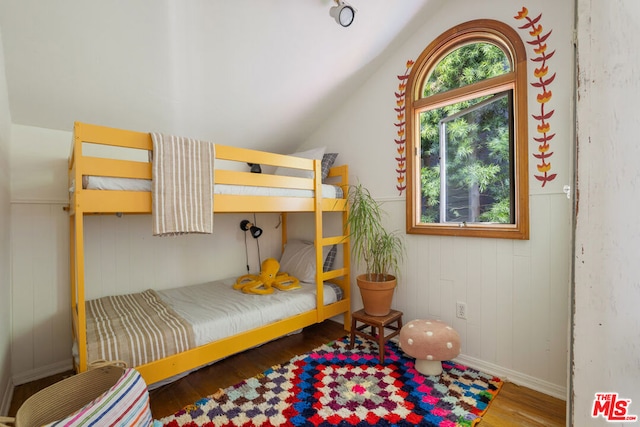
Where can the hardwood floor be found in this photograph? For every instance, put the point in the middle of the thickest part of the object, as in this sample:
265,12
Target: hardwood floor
514,405
523,407
168,399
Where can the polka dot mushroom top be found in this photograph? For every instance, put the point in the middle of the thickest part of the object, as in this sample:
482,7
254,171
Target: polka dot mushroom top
429,340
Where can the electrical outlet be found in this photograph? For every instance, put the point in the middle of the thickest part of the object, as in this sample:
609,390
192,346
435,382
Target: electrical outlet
461,310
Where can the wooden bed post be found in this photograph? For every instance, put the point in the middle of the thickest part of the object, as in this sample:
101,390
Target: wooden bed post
318,238
73,278
79,320
346,250
80,294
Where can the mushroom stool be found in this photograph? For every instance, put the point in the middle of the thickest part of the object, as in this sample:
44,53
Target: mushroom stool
430,342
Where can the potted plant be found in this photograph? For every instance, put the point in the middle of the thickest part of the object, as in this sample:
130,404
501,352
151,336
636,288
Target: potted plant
379,250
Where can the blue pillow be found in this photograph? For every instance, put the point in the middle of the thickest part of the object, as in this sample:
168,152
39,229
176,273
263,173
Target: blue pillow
328,159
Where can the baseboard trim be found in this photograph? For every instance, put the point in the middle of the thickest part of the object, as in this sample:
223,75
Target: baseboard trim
5,405
515,377
42,372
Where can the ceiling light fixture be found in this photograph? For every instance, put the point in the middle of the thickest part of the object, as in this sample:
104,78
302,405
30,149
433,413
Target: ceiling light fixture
343,13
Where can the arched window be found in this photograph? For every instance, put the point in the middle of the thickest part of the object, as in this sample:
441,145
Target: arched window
467,172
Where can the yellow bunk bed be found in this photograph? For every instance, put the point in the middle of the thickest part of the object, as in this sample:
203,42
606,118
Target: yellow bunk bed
90,201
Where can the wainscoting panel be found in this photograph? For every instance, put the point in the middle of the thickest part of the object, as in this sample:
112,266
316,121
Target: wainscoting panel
121,257
516,292
41,328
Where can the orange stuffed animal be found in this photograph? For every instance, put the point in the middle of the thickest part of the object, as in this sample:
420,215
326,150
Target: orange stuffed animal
268,279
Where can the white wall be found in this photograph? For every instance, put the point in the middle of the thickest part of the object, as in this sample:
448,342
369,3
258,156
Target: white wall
517,292
6,385
607,283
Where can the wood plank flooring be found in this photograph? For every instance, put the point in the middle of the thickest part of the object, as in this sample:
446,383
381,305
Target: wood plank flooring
514,405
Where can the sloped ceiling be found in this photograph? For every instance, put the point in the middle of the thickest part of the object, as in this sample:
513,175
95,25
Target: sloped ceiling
251,73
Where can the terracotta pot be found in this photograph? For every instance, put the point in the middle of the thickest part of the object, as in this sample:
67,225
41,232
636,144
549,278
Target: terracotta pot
376,295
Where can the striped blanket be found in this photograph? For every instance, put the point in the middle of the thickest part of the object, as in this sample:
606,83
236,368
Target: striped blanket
182,189
135,328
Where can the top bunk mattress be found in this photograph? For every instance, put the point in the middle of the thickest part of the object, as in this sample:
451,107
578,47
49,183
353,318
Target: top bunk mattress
131,184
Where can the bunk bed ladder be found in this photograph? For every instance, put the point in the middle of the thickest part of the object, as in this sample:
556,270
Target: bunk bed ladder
341,275
318,239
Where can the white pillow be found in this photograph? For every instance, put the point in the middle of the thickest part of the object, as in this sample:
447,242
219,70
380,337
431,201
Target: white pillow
299,260
314,153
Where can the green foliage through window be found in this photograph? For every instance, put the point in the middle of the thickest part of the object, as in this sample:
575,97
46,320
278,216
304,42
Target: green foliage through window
466,170
466,65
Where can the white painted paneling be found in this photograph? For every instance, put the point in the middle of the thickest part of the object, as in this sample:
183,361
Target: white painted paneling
488,300
122,256
504,306
5,249
40,276
473,287
540,330
22,240
516,292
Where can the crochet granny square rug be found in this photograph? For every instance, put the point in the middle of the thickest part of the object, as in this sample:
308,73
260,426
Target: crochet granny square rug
337,386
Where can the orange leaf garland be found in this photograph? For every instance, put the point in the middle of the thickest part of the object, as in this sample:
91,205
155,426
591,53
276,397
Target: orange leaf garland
536,30
522,14
543,148
544,168
544,97
544,128
401,169
540,72
540,49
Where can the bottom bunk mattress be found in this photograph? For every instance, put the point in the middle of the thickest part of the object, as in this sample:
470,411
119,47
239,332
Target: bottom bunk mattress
142,327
